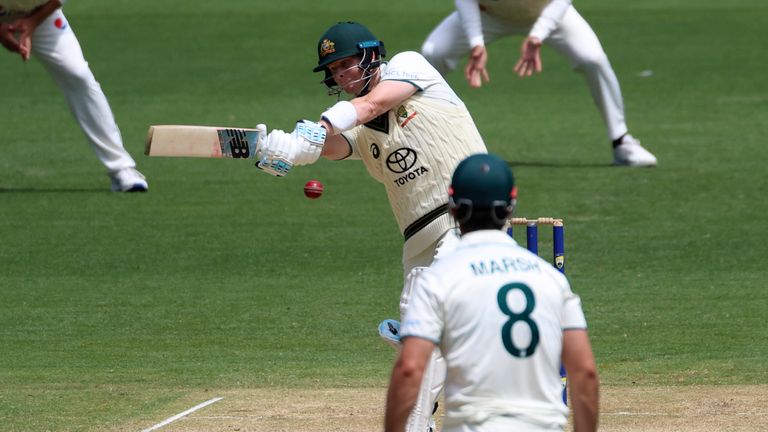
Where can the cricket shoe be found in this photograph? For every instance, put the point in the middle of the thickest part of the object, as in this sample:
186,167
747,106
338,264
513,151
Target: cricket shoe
128,180
630,153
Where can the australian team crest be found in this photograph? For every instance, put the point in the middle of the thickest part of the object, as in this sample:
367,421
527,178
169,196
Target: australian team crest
327,47
404,116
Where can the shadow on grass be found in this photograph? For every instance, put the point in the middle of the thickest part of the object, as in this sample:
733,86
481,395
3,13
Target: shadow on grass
54,190
560,164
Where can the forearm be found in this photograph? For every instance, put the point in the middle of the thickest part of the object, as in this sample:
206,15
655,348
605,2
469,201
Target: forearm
402,394
549,19
584,400
469,15
336,146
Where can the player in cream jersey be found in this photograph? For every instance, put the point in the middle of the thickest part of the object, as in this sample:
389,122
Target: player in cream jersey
413,148
410,130
405,123
38,28
556,23
502,317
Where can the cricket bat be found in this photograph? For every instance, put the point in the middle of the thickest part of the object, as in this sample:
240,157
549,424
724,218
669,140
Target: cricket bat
203,141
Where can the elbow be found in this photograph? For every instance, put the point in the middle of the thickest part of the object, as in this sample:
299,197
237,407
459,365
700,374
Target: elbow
409,370
368,110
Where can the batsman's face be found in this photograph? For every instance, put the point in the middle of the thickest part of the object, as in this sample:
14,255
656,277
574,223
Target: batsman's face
348,75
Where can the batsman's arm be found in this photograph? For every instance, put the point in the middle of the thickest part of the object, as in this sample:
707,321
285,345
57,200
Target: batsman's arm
345,115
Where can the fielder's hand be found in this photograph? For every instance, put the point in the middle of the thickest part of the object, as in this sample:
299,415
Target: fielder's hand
8,38
475,72
24,28
530,57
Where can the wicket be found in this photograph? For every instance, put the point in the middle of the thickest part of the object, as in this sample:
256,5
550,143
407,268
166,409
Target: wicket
558,258
532,237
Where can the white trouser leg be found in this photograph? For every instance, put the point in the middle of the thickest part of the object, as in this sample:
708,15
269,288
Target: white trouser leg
576,40
55,45
447,44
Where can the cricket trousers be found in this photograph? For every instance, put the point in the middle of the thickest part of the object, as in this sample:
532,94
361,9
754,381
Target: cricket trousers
54,44
573,38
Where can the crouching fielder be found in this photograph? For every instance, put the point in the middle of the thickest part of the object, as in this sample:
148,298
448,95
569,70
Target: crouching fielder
407,126
39,29
502,317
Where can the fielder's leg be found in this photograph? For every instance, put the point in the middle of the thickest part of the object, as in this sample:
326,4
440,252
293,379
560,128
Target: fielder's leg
55,45
576,40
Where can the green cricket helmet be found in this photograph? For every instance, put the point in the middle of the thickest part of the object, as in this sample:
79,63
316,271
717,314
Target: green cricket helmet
347,39
482,181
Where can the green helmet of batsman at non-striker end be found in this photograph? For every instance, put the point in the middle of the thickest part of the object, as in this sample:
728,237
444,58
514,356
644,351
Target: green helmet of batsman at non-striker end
482,184
347,39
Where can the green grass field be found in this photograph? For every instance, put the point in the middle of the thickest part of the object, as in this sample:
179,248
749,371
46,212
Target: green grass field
116,306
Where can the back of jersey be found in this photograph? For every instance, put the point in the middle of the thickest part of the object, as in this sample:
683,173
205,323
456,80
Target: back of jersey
498,313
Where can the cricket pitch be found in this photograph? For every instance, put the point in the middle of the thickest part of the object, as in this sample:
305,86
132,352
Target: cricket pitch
623,409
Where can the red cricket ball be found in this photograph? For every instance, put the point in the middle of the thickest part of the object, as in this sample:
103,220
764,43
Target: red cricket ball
313,189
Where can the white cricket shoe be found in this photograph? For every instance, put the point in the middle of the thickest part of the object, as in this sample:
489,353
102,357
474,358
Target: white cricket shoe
631,153
128,180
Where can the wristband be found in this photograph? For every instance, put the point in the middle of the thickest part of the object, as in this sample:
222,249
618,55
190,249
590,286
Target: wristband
342,116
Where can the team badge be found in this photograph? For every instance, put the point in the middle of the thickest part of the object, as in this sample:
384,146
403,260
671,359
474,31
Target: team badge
403,114
327,47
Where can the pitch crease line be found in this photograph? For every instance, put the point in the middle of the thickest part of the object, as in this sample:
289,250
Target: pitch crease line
182,414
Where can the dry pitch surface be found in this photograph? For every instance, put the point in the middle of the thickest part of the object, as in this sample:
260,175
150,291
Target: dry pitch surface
623,409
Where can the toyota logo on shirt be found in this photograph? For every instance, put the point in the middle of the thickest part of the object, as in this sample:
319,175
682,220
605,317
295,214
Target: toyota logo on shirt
401,160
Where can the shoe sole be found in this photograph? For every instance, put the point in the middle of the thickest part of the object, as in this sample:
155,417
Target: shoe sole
134,188
631,165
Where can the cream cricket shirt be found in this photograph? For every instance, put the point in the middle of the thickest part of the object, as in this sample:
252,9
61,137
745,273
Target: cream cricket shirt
498,313
413,149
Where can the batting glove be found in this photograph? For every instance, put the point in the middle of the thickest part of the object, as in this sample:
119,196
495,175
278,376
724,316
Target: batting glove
278,154
310,138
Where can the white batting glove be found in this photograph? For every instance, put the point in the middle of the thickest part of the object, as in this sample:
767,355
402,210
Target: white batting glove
278,153
310,138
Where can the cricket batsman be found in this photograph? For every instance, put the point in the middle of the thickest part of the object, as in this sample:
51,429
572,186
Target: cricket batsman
410,129
503,319
38,28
